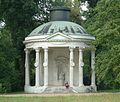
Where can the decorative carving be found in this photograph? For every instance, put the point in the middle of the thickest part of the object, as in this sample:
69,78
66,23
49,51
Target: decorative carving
45,64
82,63
61,73
72,64
61,63
58,43
29,45
36,64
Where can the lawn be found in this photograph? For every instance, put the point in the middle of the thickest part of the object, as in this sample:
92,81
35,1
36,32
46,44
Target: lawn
115,97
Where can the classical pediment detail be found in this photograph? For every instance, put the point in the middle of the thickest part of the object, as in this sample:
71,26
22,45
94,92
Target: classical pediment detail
59,36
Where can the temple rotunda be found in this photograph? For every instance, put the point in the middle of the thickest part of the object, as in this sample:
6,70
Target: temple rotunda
59,46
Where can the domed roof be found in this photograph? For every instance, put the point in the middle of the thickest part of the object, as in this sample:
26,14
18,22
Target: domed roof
65,27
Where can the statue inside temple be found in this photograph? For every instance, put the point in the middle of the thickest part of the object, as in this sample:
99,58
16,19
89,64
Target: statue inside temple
61,69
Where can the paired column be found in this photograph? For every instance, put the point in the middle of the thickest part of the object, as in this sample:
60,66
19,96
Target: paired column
45,64
37,66
93,68
81,64
41,69
71,66
27,72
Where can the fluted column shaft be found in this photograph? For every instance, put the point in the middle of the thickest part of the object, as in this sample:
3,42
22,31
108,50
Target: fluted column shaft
37,66
93,67
27,72
45,66
81,64
71,66
41,66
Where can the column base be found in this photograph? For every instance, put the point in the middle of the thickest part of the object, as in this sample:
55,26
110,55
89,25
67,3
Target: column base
85,89
94,87
60,89
34,89
82,85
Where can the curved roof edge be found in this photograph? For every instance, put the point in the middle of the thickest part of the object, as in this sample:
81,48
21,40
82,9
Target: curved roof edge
59,37
65,27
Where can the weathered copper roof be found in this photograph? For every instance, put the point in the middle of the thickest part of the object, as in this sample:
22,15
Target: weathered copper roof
65,27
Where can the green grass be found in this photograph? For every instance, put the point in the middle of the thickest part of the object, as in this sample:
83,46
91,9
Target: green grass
111,90
82,98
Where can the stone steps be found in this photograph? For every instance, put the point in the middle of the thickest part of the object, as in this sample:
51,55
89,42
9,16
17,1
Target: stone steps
58,90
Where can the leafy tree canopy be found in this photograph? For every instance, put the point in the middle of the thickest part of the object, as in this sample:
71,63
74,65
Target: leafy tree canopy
20,17
9,75
92,3
104,24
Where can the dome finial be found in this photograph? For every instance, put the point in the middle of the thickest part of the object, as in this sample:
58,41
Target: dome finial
60,14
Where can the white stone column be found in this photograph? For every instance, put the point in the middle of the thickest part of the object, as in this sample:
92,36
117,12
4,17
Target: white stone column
93,68
37,68
45,64
41,68
71,66
81,64
27,69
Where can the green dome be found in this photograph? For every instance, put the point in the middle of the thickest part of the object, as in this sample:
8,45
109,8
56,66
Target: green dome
65,27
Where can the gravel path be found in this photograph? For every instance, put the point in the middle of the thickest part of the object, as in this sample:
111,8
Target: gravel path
52,95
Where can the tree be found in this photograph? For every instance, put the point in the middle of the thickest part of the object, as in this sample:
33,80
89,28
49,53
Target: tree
21,17
92,3
104,24
9,76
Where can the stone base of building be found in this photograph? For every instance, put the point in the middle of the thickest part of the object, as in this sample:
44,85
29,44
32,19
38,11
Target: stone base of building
60,89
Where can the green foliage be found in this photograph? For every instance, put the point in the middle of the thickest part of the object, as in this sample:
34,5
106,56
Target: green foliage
87,67
8,73
58,3
75,12
20,17
104,23
92,3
